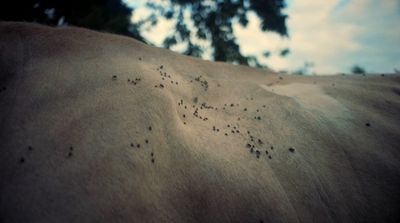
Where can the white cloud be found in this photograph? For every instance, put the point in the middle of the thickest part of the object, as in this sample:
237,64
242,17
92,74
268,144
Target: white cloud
254,42
334,34
155,34
334,38
314,36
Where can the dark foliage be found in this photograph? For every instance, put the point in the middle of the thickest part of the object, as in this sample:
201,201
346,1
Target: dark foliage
213,20
284,52
104,15
357,70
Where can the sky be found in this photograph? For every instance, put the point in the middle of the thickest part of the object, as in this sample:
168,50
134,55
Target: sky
333,35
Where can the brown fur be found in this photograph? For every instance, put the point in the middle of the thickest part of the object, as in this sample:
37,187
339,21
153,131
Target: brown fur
61,93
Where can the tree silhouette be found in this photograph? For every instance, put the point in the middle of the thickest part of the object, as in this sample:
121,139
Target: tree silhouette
104,15
212,20
357,70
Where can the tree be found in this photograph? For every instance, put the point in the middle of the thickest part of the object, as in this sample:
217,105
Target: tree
357,70
104,15
211,20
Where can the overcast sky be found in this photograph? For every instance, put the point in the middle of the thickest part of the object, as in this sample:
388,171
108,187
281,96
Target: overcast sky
332,34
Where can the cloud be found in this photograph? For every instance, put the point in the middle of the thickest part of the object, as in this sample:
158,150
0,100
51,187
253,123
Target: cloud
156,34
254,42
317,37
333,34
314,36
379,33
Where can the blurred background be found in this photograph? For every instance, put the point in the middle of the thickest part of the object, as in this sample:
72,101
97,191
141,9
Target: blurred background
305,37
